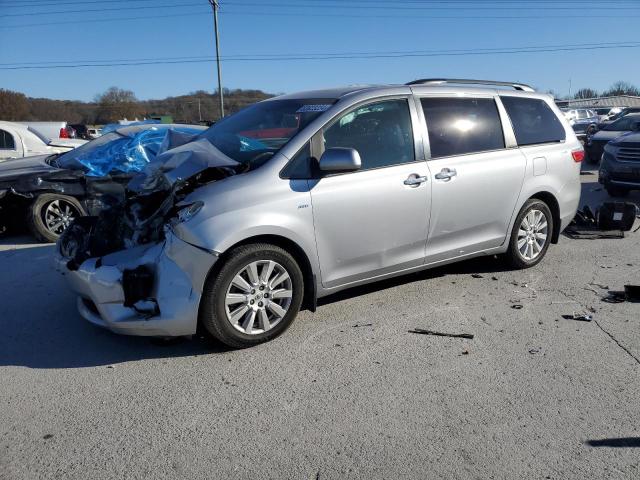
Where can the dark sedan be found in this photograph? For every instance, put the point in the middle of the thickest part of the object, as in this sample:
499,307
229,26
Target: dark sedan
49,192
620,166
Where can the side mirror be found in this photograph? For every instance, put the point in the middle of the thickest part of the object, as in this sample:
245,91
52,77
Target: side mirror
339,159
635,127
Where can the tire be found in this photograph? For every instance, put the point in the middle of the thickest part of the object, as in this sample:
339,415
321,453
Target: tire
232,325
68,208
616,191
514,255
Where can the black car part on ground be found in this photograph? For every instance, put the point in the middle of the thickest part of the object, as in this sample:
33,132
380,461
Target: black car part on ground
610,220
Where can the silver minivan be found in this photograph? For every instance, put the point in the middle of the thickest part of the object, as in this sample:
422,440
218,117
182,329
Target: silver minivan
300,196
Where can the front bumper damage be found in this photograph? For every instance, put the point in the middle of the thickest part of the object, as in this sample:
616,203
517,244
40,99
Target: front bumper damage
162,301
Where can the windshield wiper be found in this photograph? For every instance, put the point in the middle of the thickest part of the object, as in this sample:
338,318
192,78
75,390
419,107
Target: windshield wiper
51,160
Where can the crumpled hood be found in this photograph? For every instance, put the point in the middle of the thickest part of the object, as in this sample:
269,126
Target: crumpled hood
180,164
11,169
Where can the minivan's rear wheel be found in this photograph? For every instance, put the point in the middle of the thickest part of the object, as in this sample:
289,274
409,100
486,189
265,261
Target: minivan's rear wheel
254,296
50,214
531,234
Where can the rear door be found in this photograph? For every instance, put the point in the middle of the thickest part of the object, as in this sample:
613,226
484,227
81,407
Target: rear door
372,221
476,178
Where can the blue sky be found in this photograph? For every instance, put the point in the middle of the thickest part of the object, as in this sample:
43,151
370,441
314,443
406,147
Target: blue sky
300,27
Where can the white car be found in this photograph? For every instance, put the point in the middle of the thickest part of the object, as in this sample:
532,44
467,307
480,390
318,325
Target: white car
18,140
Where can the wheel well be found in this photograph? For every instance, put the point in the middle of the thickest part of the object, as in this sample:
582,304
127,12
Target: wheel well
309,299
552,203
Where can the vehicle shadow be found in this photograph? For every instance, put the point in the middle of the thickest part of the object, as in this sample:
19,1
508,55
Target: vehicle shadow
42,329
624,442
476,266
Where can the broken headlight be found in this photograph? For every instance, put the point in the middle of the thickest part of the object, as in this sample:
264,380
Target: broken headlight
188,212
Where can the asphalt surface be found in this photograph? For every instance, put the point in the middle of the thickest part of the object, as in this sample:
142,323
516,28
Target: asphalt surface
347,392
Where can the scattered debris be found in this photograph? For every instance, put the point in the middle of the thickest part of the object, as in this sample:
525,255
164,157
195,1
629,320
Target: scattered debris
533,351
465,351
583,317
616,216
48,436
441,334
494,278
476,275
517,306
615,297
357,325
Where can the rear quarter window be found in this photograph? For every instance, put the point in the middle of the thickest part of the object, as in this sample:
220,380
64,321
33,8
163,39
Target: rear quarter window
534,122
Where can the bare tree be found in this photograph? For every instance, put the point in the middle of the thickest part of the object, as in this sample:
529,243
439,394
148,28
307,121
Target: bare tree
116,104
13,105
622,88
585,93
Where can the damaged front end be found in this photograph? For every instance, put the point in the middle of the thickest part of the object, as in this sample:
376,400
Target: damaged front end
132,273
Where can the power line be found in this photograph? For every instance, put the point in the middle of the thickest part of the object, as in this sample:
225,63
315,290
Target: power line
275,56
338,15
301,57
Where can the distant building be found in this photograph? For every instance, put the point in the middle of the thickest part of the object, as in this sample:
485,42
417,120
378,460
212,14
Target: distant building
601,102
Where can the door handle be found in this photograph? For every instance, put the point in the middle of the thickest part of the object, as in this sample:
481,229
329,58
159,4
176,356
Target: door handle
414,180
446,174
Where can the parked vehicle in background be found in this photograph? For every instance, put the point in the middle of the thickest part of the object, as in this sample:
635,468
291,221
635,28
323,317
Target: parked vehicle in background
303,195
603,113
594,144
618,113
18,140
50,191
52,130
93,132
620,166
582,120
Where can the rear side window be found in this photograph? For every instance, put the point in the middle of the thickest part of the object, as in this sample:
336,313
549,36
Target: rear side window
462,125
533,121
6,141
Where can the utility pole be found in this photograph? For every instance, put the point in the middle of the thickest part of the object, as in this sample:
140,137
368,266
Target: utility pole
215,6
199,111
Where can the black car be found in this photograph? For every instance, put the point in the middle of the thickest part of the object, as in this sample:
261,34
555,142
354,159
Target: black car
594,144
620,166
49,192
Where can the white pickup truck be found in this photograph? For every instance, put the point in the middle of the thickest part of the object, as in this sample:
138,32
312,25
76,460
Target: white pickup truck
17,141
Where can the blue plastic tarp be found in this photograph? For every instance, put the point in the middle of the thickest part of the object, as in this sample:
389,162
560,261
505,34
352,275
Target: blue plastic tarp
131,154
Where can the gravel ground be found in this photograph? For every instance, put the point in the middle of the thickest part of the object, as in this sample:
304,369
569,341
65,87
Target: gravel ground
347,392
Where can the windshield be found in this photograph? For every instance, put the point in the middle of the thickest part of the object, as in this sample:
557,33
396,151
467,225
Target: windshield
255,134
623,124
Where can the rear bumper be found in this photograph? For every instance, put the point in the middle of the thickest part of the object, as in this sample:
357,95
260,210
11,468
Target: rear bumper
179,272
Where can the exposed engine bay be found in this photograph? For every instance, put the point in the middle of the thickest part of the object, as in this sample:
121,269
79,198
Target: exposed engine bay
137,213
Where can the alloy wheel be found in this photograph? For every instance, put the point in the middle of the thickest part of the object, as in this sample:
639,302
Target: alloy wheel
532,234
58,215
258,297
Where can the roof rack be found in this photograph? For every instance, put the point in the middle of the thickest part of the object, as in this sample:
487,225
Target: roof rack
463,81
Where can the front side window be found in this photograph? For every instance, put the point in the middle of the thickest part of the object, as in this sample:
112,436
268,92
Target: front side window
380,132
533,121
6,141
255,134
459,126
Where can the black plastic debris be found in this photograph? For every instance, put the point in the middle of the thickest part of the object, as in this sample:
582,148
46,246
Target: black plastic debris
441,334
582,317
631,293
610,220
517,306
476,275
357,325
616,216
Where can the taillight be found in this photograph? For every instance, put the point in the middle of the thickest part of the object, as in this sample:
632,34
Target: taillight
64,133
578,155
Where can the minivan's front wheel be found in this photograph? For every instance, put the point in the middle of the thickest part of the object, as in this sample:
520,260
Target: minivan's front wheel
254,296
531,234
